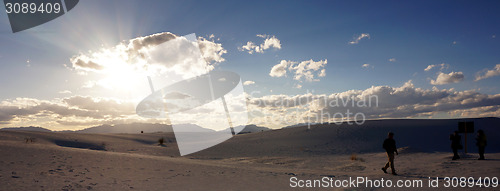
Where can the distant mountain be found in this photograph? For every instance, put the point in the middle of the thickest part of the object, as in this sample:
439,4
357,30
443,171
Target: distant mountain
191,128
249,129
253,129
144,127
30,128
128,128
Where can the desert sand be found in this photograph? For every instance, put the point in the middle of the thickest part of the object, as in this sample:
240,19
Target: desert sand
255,161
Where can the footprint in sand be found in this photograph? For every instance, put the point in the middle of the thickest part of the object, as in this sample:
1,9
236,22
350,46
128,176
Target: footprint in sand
352,168
449,164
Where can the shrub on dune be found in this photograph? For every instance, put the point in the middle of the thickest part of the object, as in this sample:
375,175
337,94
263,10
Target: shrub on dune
161,141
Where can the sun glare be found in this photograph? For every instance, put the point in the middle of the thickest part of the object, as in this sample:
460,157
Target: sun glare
122,78
119,76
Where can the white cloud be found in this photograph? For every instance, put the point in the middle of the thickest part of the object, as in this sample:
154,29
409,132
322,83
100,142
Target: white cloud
429,67
392,59
262,35
488,73
279,70
322,73
57,113
366,66
246,83
211,51
360,37
307,70
251,47
65,92
443,66
405,101
453,77
269,42
151,54
165,57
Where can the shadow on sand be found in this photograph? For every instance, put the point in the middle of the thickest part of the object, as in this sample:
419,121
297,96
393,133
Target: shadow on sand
80,145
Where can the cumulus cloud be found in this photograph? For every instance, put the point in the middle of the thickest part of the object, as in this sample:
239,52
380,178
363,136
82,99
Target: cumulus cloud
125,52
122,70
392,59
251,47
83,62
405,101
109,106
322,73
360,37
78,112
269,42
211,50
57,112
366,66
279,70
453,77
246,83
307,70
154,54
429,67
443,66
488,73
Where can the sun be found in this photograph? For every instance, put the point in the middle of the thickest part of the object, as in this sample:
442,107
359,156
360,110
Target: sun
120,76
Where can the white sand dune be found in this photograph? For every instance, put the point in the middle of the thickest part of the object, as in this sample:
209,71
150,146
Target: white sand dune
256,161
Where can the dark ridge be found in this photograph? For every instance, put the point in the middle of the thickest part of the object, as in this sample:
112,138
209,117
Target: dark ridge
30,128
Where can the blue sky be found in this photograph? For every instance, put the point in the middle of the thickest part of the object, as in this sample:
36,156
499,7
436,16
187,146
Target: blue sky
413,34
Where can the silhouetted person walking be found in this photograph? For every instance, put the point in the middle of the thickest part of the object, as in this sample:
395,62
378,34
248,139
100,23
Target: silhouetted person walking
481,143
455,144
390,148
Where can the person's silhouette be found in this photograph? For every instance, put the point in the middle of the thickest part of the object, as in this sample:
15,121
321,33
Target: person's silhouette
481,143
455,144
390,148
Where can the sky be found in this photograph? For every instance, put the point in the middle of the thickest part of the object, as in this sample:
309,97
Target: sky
421,59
